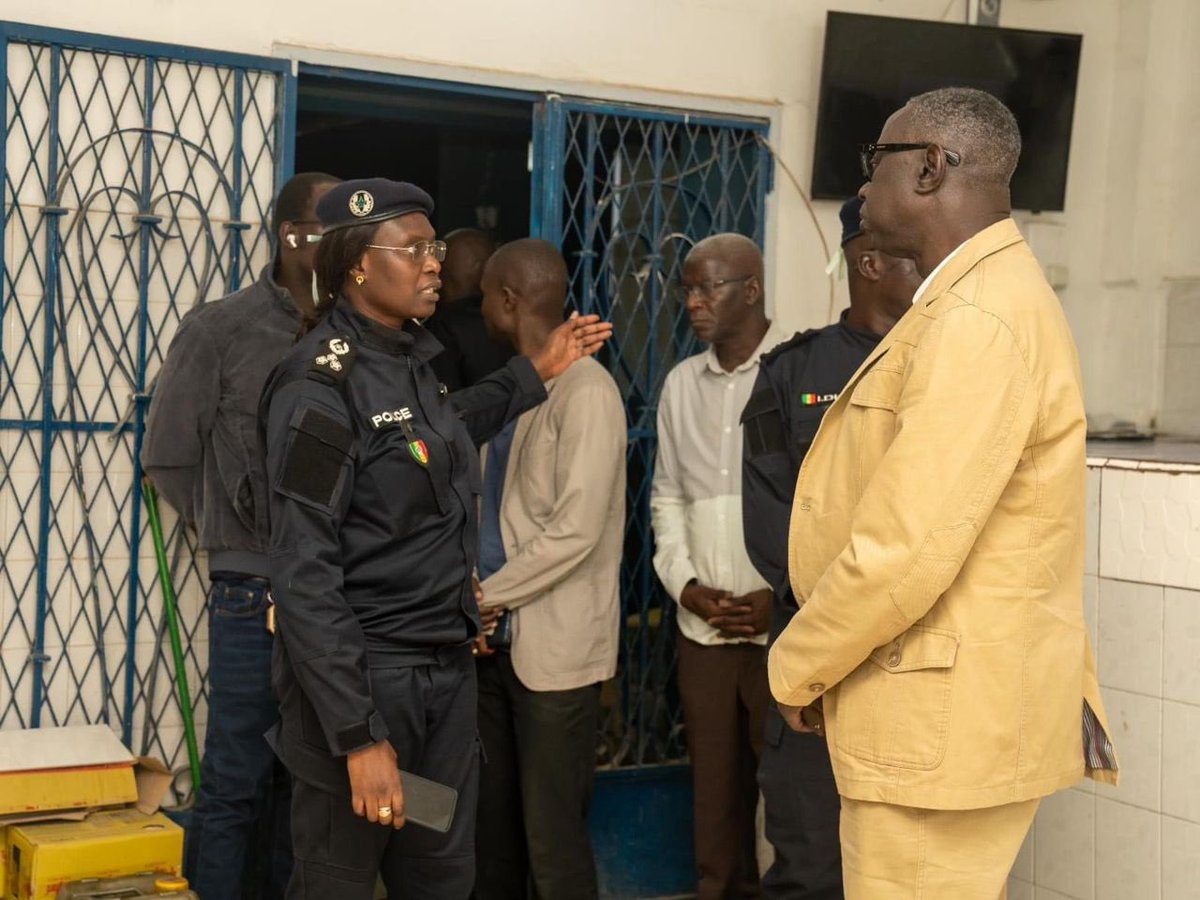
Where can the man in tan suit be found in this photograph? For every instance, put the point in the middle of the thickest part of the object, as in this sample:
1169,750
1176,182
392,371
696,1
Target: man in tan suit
937,535
552,531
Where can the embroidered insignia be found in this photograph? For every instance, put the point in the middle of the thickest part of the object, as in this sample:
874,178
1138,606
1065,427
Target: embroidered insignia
815,399
333,359
361,203
419,451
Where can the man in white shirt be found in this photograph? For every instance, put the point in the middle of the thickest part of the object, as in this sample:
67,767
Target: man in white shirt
724,604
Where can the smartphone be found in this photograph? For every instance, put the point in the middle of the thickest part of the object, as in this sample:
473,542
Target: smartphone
428,803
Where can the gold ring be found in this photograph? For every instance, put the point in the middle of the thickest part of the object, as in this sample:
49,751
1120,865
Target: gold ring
384,812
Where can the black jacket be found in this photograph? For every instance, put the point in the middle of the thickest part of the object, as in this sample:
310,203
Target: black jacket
374,474
470,353
201,441
797,381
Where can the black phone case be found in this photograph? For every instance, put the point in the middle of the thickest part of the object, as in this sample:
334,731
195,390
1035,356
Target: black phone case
428,803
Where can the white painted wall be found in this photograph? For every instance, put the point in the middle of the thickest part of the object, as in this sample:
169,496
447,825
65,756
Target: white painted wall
1125,237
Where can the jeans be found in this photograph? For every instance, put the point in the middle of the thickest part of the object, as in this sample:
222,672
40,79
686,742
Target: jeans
240,844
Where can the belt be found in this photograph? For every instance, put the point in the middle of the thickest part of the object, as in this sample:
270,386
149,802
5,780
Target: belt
238,576
405,657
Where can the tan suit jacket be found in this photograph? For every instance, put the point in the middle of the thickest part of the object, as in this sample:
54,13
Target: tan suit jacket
937,546
562,521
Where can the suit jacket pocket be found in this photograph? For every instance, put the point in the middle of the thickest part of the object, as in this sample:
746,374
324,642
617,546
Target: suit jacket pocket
894,709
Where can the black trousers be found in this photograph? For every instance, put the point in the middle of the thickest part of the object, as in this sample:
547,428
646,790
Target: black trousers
430,713
535,787
802,810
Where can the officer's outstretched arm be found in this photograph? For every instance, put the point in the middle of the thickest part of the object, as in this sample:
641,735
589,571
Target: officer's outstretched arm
310,468
493,402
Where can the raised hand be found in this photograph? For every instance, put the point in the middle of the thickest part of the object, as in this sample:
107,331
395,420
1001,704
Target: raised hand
574,339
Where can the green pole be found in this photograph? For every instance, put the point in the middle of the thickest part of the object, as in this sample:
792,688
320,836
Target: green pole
181,683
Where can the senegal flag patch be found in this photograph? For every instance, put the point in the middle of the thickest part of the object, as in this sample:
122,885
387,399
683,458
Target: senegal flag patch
419,451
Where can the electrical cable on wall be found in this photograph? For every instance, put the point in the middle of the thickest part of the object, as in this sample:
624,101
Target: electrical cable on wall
830,268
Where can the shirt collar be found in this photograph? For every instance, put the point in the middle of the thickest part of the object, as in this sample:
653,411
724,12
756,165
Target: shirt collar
932,275
773,337
266,280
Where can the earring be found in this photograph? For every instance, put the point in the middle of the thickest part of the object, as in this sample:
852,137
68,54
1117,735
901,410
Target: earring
291,241
359,279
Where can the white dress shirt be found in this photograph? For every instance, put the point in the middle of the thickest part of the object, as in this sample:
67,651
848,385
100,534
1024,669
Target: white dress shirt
696,495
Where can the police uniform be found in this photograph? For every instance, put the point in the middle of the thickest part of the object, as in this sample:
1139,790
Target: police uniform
797,381
374,478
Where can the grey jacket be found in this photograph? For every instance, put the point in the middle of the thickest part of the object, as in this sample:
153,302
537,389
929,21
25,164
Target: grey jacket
201,443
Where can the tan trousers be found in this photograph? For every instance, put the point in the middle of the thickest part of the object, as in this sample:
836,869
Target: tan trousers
901,853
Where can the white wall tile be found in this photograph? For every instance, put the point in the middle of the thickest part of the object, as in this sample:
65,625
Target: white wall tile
1180,860
1091,611
1181,761
1041,893
1023,866
1150,527
1181,646
1091,564
1136,724
1131,621
1064,844
1128,852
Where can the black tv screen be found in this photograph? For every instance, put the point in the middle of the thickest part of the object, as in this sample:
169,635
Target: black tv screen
874,64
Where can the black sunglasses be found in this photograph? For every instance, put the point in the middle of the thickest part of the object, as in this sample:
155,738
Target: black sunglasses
868,152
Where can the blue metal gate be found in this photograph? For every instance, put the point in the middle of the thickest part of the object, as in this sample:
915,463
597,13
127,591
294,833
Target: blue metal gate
138,178
626,191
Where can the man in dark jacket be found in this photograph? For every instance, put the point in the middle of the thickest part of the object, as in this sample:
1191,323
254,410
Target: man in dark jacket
797,381
470,353
201,450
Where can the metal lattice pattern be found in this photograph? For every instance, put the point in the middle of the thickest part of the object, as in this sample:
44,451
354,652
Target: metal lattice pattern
136,186
626,195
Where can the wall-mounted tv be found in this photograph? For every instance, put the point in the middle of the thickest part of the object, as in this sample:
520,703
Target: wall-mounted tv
874,64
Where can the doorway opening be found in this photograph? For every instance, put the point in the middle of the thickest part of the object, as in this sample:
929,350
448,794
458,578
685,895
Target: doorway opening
472,152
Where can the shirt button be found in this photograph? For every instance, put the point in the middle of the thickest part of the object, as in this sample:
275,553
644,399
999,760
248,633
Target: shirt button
724,471
816,687
730,387
894,659
728,429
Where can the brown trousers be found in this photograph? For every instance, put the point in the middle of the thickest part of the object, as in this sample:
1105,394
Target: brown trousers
725,696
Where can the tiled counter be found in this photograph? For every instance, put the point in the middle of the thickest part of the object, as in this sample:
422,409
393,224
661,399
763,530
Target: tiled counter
1139,841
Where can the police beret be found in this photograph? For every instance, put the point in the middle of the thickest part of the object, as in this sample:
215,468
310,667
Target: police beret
851,223
364,201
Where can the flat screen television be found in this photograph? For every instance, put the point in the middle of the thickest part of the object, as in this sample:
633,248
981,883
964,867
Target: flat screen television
874,64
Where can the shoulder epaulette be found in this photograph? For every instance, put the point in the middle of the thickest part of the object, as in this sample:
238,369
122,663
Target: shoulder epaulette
333,361
800,337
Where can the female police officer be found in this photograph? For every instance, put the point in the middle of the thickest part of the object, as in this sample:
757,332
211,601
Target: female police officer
373,478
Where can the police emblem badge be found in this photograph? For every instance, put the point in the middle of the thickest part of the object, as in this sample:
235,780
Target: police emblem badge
361,203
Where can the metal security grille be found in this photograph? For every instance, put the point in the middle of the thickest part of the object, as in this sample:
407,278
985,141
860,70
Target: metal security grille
626,191
137,183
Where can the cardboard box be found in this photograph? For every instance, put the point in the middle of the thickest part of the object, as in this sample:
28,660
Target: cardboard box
56,770
45,856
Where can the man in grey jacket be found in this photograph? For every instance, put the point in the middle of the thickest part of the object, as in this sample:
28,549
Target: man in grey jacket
201,450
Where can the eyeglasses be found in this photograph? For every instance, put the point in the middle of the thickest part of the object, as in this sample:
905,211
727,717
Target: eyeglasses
419,250
868,152
706,289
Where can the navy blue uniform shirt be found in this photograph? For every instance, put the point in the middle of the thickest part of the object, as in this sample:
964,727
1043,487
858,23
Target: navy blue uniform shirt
373,474
797,381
